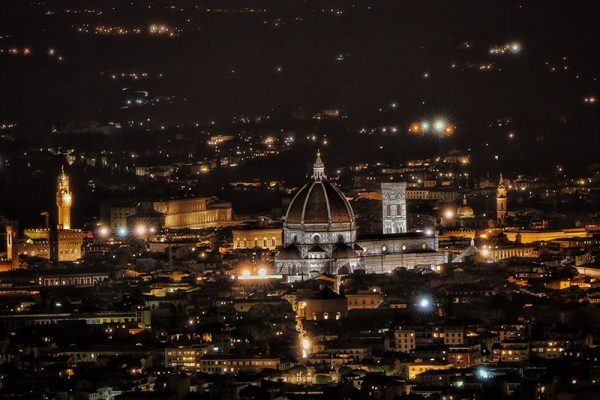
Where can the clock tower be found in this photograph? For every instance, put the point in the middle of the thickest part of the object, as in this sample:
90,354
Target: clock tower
64,200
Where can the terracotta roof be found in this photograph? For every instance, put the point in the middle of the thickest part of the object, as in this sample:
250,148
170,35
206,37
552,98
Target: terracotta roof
319,202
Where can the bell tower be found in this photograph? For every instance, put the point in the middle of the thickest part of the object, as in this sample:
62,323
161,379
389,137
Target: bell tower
501,202
12,252
64,200
393,207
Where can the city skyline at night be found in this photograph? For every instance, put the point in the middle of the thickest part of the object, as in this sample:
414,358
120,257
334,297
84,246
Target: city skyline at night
299,199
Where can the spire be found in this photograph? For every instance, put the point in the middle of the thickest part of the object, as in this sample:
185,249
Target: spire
318,168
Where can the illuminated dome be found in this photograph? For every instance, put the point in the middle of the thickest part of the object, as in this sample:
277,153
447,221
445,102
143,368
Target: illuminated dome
319,230
465,211
320,202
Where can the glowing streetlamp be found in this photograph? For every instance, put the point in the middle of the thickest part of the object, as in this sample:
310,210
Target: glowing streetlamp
439,125
305,344
424,304
305,347
483,373
415,128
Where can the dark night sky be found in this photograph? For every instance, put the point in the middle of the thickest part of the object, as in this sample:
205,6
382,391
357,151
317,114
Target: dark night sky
388,49
225,64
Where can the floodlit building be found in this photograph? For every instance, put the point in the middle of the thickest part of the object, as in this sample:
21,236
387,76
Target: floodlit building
187,213
262,238
394,207
319,234
64,200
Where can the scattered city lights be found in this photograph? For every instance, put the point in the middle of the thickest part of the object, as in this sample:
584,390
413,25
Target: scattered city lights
508,48
273,200
437,126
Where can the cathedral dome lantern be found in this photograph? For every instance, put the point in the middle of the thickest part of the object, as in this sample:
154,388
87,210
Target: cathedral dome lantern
319,168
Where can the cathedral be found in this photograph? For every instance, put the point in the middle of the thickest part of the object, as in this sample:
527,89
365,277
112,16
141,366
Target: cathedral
319,234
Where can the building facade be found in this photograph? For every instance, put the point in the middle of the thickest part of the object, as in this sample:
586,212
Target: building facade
188,213
69,244
222,364
262,238
193,213
80,279
393,207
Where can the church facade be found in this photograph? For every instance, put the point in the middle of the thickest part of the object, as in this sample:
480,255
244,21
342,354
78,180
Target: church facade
319,234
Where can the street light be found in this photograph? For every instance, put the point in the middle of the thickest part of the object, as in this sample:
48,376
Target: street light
439,125
305,347
424,304
483,373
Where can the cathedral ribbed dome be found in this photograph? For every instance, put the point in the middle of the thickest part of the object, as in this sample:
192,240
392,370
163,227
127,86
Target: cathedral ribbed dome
319,202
